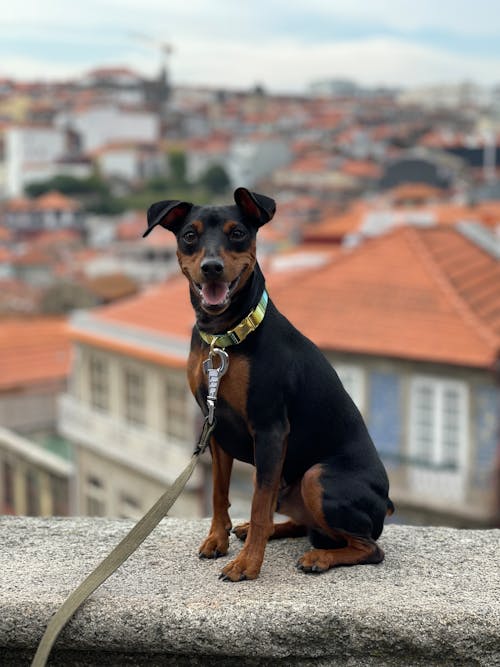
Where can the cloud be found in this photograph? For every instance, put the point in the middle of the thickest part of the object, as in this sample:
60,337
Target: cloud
481,17
286,65
237,44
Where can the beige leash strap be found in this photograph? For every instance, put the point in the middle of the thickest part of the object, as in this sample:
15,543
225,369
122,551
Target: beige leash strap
120,553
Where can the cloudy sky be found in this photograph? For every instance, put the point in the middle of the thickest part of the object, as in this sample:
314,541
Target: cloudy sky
282,44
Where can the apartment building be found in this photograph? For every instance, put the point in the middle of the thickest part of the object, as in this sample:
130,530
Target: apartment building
36,468
411,322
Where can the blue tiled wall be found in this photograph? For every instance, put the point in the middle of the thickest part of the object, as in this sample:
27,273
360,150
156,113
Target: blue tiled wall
486,433
385,415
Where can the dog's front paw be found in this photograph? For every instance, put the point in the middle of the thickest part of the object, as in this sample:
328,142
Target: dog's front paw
241,568
215,546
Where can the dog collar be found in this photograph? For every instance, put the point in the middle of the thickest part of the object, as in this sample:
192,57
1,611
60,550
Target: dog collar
241,331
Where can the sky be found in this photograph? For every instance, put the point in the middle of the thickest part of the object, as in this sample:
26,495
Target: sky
283,45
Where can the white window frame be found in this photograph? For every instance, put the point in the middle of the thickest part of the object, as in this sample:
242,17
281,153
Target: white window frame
353,379
99,382
438,387
134,395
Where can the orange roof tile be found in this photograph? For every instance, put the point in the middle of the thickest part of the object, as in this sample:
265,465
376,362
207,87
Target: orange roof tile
55,201
162,308
32,351
361,168
333,228
392,297
420,192
19,204
65,237
473,273
111,286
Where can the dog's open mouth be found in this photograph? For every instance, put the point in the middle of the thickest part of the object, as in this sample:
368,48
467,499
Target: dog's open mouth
215,293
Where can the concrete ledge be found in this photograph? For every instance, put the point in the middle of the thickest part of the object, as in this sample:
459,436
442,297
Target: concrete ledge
434,601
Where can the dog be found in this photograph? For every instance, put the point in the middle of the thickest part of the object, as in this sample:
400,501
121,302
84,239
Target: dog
281,406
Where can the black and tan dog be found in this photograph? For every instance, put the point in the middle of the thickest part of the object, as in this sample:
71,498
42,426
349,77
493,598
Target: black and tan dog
281,406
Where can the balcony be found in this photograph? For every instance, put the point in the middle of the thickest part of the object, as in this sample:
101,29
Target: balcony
140,448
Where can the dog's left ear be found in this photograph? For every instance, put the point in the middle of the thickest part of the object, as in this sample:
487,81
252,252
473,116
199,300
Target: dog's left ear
259,209
170,214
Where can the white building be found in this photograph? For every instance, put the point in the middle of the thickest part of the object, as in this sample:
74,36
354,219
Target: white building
30,154
101,125
131,161
254,158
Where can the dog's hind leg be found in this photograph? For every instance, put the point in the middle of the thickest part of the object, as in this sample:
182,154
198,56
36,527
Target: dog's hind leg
342,533
280,530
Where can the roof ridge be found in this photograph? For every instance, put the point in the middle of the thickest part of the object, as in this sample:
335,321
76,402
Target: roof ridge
445,284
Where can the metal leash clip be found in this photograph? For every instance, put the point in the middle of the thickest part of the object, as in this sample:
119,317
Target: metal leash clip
214,377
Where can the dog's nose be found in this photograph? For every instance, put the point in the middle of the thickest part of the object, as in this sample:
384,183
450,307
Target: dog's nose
212,267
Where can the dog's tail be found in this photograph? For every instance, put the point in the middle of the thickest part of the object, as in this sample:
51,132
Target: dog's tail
390,507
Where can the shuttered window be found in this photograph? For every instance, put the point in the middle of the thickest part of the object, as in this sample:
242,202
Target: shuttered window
438,422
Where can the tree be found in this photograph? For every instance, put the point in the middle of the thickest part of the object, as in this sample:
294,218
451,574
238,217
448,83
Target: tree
178,168
215,179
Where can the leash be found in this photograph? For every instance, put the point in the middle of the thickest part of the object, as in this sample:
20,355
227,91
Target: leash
136,536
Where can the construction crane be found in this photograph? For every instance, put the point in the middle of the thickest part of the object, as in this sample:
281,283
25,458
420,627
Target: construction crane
166,49
162,88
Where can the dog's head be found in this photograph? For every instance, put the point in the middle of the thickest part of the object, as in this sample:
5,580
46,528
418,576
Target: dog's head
216,245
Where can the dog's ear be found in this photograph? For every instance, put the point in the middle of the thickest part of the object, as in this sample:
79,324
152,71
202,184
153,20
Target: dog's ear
259,209
170,214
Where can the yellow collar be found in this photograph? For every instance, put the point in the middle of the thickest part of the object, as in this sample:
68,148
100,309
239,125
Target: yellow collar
241,331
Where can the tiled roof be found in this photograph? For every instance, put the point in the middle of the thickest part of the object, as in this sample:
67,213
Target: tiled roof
19,204
421,192
473,273
55,201
362,169
50,201
333,227
405,294
163,308
33,350
423,294
111,286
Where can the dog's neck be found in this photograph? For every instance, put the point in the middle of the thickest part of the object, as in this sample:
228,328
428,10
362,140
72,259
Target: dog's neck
243,302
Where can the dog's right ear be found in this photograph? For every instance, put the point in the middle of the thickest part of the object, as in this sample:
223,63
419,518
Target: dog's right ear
170,214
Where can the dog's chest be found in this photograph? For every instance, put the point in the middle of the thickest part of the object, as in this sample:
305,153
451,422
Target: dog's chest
233,387
232,432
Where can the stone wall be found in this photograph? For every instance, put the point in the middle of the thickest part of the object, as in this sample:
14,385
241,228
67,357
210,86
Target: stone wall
435,600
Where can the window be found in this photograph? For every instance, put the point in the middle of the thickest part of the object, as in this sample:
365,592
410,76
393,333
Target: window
60,493
130,507
177,418
353,380
95,499
99,383
438,426
135,397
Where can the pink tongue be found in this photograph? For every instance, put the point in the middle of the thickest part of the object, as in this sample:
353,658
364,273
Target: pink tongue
215,293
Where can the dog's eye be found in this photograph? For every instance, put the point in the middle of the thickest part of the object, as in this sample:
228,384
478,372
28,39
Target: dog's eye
189,237
237,234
